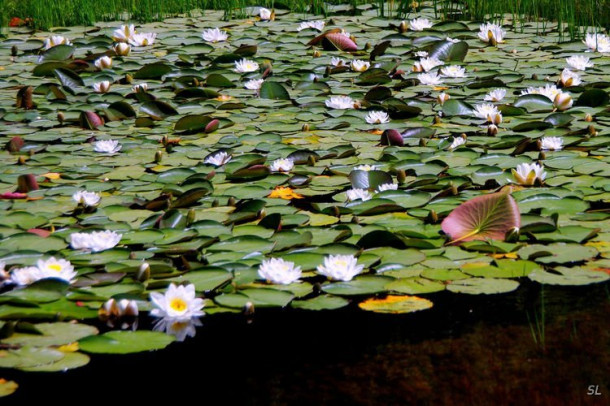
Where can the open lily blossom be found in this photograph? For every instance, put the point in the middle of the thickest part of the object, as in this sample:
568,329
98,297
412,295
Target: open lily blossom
569,78
563,101
95,241
102,87
143,40
419,24
551,143
366,168
218,159
491,33
254,84
124,33
107,146
485,110
340,267
25,276
358,194
429,79
245,65
430,63
421,54
179,328
85,198
264,14
579,62
56,268
122,49
105,62
360,66
377,117
387,186
214,35
316,25
55,40
453,71
279,271
495,95
549,91
526,174
282,165
334,61
597,42
340,102
178,303
141,88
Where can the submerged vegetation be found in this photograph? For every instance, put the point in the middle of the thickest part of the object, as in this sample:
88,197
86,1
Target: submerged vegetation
288,160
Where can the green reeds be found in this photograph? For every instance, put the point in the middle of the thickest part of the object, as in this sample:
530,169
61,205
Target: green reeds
538,323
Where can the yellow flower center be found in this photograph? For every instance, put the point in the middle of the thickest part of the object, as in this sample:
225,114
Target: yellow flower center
178,305
341,263
55,267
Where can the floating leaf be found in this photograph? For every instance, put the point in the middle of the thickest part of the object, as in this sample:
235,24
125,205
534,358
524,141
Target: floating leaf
273,90
568,276
125,342
396,304
322,302
482,286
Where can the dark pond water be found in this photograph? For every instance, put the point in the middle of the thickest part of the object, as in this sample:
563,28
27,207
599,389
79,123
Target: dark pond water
464,351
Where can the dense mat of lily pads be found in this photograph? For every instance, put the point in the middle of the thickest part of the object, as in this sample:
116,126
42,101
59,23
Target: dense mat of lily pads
179,170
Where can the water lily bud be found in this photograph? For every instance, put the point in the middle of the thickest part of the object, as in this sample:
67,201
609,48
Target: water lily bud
327,72
21,160
190,217
534,76
248,309
512,235
432,217
128,308
14,50
355,220
514,51
403,27
588,117
128,79
563,101
143,272
132,255
61,118
158,156
317,54
401,176
305,127
454,190
367,46
262,213
437,120
336,211
592,131
541,156
423,142
494,118
215,203
165,140
231,201
311,160
122,49
442,98
492,130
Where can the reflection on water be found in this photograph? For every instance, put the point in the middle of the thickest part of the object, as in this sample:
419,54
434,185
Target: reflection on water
465,351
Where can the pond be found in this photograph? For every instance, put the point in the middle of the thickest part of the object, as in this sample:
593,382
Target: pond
367,210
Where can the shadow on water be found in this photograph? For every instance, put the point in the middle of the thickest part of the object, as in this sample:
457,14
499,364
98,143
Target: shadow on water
478,350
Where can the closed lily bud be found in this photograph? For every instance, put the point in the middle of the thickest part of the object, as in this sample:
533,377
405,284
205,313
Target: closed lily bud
61,117
105,62
317,54
492,130
231,201
592,131
190,217
401,176
563,101
423,142
432,217
158,156
21,160
588,117
122,49
437,120
305,127
442,98
143,272
403,27
249,309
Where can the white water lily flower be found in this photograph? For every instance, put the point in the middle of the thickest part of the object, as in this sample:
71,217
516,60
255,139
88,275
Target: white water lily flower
245,65
340,267
597,42
491,33
453,71
430,63
181,329
419,24
526,174
178,303
454,40
569,78
355,194
105,62
95,241
143,40
25,276
340,102
495,95
56,268
122,49
495,118
124,33
214,35
141,88
360,66
442,98
102,87
485,110
334,61
282,165
387,186
377,117
85,198
55,40
264,14
551,144
107,146
316,25
218,159
421,54
254,84
549,91
279,271
563,101
579,62
366,168
457,141
429,79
